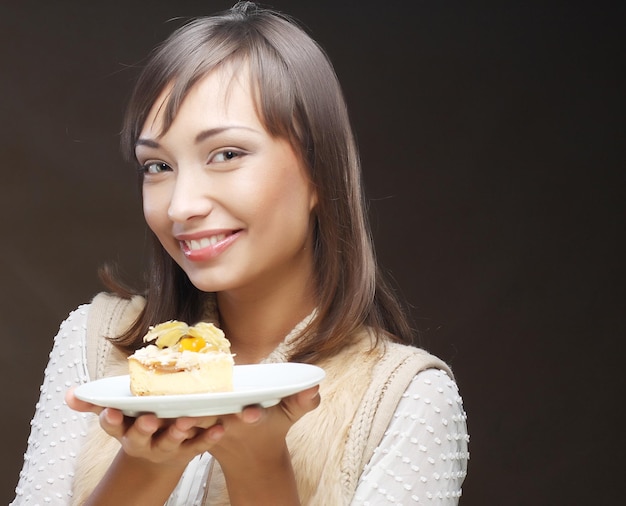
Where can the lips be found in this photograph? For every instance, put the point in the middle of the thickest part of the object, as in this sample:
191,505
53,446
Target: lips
201,247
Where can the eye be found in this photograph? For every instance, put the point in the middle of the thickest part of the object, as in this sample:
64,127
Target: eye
155,167
225,156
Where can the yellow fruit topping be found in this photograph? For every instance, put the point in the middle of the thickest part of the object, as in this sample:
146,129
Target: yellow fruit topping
167,334
191,344
213,336
202,336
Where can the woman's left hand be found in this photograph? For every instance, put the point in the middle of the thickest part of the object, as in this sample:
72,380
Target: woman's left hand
253,435
253,454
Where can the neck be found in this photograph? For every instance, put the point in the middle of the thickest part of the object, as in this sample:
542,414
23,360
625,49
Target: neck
256,325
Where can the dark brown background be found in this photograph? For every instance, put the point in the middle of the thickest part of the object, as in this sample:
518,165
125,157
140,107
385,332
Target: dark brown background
491,141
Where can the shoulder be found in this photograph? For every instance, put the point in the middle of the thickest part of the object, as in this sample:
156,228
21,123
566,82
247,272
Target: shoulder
108,316
432,406
111,314
431,384
400,371
387,357
396,367
398,356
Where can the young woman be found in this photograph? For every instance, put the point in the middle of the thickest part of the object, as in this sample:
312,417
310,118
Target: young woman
251,189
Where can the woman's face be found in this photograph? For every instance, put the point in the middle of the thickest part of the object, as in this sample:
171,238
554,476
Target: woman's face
231,204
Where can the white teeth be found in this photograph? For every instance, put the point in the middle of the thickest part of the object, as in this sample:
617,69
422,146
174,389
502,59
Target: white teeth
205,242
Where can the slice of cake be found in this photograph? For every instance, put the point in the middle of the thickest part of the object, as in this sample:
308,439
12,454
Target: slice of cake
182,359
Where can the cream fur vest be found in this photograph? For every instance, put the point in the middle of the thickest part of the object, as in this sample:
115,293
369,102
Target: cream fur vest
329,446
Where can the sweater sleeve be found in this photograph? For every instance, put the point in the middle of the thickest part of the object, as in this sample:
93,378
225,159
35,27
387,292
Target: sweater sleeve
56,431
423,455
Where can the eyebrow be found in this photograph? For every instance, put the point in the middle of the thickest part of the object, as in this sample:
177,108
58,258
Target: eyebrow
205,134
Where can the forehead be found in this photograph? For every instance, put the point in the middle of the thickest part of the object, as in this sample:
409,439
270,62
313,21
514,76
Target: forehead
225,94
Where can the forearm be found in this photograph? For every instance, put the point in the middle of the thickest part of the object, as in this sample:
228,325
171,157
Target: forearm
131,481
263,483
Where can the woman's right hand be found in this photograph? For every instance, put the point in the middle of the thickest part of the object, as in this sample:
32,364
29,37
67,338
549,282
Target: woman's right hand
171,442
154,453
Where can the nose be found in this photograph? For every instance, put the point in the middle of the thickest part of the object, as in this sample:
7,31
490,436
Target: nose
189,198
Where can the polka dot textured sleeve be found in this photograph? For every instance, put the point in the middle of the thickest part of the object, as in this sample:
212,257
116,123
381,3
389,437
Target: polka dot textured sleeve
422,458
56,430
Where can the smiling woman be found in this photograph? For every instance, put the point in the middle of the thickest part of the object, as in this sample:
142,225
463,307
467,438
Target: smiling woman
231,204
252,193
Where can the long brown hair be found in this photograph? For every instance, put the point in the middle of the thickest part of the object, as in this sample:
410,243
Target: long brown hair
298,97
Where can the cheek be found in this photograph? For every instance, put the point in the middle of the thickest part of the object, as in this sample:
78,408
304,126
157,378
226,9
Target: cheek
274,197
287,203
154,211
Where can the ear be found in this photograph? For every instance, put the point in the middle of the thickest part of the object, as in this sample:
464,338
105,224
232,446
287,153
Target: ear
313,197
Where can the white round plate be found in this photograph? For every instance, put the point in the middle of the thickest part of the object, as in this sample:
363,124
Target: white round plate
264,384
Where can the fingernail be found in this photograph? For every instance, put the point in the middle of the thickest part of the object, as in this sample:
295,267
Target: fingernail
178,434
216,432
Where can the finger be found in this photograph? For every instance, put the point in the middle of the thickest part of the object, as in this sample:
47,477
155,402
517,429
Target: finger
202,422
77,405
203,440
185,431
252,414
297,405
112,422
213,434
137,438
173,436
310,394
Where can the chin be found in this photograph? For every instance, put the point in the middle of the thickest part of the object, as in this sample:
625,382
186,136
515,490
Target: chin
209,283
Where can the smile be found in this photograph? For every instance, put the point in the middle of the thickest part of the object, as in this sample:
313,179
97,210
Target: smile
207,248
205,242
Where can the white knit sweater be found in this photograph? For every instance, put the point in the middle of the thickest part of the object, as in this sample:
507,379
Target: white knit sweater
353,449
